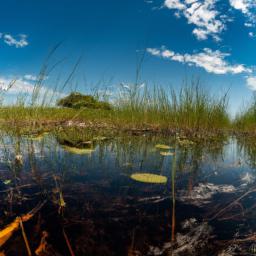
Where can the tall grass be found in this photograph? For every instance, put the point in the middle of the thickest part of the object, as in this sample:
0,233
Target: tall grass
246,120
190,108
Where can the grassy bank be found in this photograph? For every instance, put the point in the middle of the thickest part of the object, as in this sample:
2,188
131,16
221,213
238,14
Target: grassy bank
190,109
245,121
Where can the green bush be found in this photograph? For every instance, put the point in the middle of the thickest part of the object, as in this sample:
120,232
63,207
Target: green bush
77,100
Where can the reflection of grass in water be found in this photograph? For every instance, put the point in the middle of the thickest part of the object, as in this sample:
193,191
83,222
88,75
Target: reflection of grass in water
78,137
247,149
173,197
38,137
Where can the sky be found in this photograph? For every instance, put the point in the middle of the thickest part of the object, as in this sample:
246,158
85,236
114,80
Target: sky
213,40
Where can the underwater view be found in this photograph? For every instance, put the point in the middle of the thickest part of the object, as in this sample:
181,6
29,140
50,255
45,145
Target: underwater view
127,195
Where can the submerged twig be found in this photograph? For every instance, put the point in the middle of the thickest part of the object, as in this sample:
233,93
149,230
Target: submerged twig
68,243
25,237
221,212
7,232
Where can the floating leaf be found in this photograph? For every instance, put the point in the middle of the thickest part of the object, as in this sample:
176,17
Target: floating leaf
149,178
89,142
7,182
163,153
62,202
78,151
162,146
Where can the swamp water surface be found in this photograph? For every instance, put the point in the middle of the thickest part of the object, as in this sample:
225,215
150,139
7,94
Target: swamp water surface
87,202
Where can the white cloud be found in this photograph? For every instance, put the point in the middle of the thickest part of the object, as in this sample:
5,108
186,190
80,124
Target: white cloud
175,4
242,5
248,24
251,83
18,43
30,77
202,14
212,61
251,34
23,87
247,7
20,86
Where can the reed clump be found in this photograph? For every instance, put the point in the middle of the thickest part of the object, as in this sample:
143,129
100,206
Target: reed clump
245,121
191,108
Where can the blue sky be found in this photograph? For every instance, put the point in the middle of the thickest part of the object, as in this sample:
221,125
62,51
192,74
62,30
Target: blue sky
211,39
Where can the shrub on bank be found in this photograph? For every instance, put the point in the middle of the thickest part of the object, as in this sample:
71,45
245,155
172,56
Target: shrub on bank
77,100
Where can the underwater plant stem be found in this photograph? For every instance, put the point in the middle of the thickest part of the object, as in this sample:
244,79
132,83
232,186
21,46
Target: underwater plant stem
68,243
25,237
173,197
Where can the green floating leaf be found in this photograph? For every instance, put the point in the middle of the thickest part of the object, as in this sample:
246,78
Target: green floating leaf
6,182
149,178
163,153
78,151
162,146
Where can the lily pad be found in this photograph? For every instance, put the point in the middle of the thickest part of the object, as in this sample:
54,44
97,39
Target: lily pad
7,182
78,151
163,153
162,146
149,178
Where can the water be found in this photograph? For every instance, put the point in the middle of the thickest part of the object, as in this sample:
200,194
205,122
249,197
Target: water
207,206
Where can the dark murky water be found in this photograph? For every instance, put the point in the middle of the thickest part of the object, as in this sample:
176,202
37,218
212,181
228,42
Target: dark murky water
207,206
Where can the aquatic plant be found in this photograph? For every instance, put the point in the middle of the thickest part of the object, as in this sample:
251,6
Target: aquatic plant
245,120
79,151
149,178
163,153
162,146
